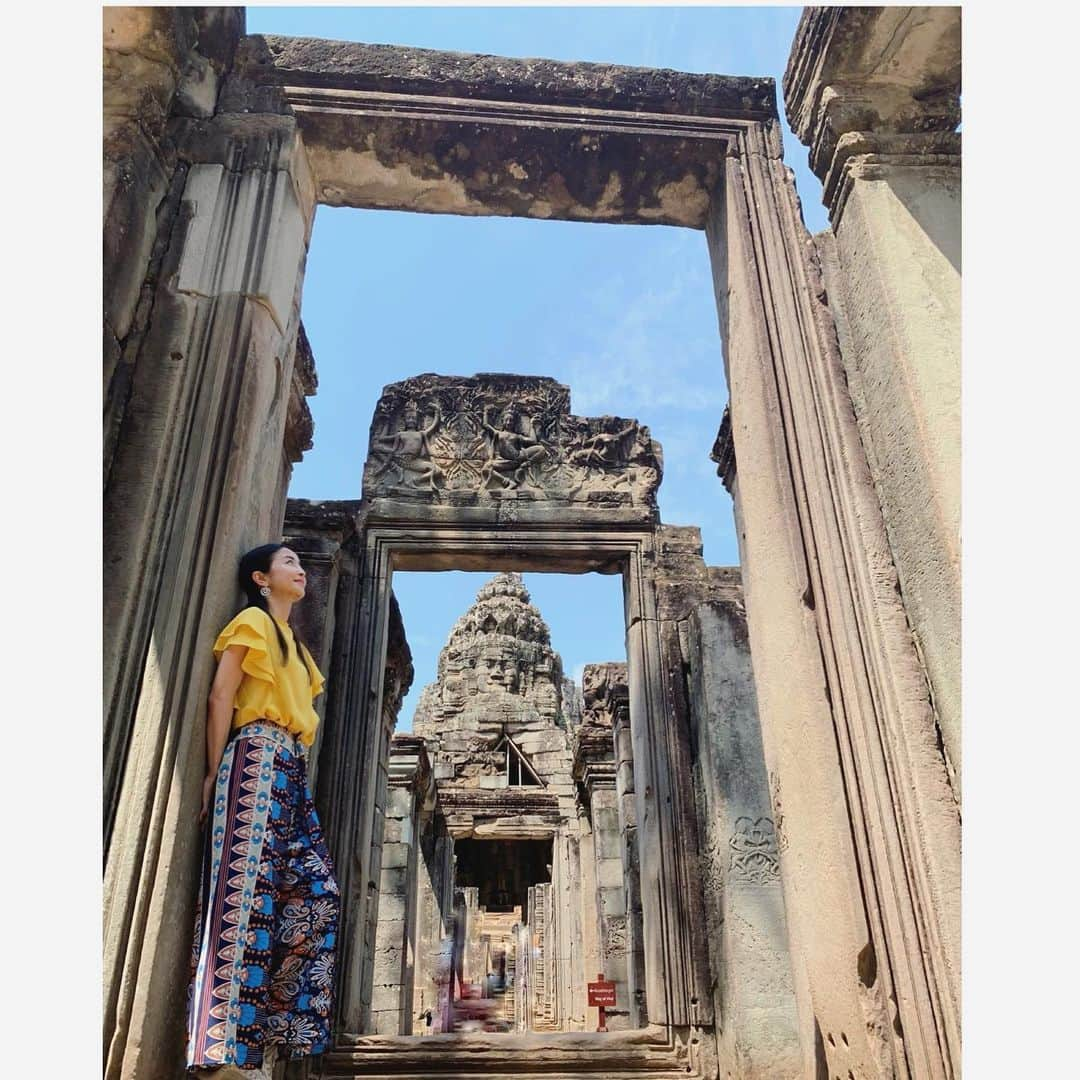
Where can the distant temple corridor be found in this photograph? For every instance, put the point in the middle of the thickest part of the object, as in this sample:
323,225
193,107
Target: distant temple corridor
516,890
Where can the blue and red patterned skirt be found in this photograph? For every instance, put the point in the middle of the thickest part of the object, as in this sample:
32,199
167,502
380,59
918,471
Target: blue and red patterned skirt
267,925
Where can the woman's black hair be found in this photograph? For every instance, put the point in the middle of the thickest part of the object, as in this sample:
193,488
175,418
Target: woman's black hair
258,559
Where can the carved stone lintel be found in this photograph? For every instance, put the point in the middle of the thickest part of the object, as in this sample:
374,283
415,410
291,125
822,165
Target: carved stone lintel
494,438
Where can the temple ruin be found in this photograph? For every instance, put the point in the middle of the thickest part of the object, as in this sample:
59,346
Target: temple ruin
751,822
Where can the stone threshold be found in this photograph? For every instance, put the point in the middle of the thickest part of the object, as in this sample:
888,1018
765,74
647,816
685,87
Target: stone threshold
648,1051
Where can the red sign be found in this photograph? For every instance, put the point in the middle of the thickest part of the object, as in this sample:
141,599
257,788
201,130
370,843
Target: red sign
601,994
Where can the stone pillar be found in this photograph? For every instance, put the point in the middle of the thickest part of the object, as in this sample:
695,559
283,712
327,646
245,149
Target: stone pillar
565,952
370,674
598,779
188,490
410,788
628,847
747,935
435,899
317,532
397,678
847,726
159,64
595,768
875,94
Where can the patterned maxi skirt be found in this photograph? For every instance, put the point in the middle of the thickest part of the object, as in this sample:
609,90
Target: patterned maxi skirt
263,956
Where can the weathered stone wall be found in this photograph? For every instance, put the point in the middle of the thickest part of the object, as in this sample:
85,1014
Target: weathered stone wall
159,64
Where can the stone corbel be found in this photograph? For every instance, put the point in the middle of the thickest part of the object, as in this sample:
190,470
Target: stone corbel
409,764
869,87
594,758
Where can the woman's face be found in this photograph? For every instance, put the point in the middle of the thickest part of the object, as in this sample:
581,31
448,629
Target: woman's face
286,576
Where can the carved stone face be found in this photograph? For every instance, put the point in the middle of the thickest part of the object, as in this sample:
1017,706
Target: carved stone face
499,671
454,692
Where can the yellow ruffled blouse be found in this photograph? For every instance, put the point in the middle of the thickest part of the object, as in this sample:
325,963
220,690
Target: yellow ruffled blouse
272,689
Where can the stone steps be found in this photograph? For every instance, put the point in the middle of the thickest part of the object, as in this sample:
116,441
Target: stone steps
483,1074
640,1054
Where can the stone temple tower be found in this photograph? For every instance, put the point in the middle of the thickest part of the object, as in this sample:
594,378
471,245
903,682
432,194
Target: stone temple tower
497,674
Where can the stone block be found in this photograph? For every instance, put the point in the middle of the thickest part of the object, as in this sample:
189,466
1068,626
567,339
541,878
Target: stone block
393,857
609,873
395,830
608,844
260,264
538,742
612,902
399,803
389,961
394,881
386,1022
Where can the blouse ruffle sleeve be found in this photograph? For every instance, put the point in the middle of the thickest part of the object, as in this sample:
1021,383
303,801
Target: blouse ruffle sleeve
248,629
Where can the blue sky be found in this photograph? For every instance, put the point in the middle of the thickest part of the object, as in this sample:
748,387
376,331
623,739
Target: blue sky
623,314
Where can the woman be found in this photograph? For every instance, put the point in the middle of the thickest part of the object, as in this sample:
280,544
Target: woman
268,911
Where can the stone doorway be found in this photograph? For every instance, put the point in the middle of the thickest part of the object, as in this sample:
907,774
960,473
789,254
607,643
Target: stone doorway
544,491
503,894
504,871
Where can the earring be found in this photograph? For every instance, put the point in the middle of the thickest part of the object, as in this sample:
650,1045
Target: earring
265,590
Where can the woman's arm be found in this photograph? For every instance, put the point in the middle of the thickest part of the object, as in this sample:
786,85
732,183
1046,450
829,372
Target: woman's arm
219,716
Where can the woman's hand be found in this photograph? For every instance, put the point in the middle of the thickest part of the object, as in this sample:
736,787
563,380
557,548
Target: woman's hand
219,716
207,795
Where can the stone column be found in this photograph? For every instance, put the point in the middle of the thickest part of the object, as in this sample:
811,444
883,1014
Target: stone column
568,990
397,678
194,481
410,788
847,726
159,64
435,898
317,532
628,847
753,991
594,767
370,674
875,94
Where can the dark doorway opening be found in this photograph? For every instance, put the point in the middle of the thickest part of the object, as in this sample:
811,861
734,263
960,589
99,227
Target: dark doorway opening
503,870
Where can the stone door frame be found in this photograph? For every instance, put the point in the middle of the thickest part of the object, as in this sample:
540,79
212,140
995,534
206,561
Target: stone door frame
668,914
